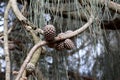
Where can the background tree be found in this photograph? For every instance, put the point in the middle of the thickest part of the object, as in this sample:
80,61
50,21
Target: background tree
93,58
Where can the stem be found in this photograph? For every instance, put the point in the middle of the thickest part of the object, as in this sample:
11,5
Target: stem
6,50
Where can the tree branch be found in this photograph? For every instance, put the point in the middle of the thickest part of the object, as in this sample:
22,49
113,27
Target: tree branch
41,43
110,4
20,16
6,50
78,31
38,52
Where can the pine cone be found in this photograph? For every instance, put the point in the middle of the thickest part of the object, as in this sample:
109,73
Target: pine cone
49,32
68,43
60,46
30,67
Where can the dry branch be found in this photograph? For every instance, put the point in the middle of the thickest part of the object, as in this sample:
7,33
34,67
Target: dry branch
73,14
29,56
41,43
2,34
19,15
15,9
38,52
6,50
108,24
111,5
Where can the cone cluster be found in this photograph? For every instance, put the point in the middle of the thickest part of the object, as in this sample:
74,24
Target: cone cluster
65,44
49,35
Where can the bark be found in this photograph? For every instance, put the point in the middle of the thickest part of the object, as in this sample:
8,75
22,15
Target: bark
6,50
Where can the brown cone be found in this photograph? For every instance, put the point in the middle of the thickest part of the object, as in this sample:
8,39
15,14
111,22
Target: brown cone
49,32
60,46
68,43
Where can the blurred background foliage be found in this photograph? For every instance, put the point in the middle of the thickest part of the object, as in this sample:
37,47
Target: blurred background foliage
97,53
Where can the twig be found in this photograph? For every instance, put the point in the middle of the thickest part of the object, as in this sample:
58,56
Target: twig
110,4
114,6
23,12
6,50
2,34
11,27
16,10
24,7
29,56
20,16
41,43
76,32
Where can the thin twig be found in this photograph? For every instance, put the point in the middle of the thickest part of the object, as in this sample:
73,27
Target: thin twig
23,12
76,32
24,7
19,15
6,50
41,43
14,24
110,4
2,34
114,6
